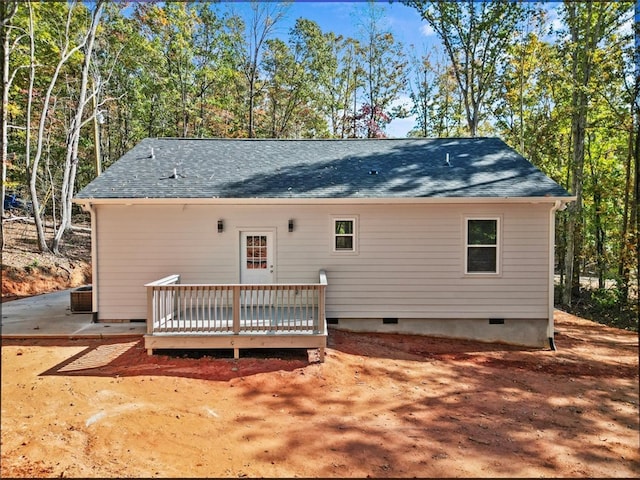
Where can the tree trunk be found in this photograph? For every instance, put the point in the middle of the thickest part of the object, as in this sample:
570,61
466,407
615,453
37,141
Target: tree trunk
251,106
185,112
73,138
635,211
32,167
599,230
634,205
585,39
574,225
624,271
7,11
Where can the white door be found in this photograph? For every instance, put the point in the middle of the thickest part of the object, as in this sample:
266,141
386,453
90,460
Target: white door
256,257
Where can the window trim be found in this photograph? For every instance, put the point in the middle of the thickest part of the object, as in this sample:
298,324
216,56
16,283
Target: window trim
355,234
498,245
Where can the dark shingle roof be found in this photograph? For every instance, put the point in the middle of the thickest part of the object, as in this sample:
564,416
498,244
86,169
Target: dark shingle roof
393,168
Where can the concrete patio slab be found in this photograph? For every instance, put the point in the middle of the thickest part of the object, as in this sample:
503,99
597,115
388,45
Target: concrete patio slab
49,316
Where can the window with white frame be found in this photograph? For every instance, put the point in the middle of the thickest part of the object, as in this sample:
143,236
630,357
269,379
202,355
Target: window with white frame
482,245
344,234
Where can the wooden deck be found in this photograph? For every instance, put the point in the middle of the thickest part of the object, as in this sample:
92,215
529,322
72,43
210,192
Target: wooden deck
236,316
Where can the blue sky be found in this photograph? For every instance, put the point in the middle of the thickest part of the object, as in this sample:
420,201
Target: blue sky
340,17
403,21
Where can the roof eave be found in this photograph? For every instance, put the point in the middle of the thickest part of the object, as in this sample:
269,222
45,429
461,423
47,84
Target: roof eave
319,201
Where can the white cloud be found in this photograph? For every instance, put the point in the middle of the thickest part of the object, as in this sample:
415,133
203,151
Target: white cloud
426,30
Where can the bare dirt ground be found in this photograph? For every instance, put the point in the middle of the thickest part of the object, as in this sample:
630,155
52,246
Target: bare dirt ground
380,406
26,271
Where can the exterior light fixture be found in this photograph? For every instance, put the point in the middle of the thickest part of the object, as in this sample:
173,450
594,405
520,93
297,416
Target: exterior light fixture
220,226
291,225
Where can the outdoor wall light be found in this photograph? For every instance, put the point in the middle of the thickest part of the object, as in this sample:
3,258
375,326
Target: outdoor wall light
220,226
291,225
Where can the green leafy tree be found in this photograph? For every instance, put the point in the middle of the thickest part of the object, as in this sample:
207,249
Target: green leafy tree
292,79
172,28
214,61
338,84
383,67
475,36
422,88
436,101
249,48
524,96
589,26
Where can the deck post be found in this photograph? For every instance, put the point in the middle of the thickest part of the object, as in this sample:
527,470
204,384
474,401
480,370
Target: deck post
154,300
236,309
322,321
150,312
321,302
150,315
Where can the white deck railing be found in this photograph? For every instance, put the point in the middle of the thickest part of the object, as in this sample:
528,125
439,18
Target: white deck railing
175,308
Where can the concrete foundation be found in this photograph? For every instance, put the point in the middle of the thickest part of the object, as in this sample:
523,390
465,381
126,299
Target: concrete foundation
525,332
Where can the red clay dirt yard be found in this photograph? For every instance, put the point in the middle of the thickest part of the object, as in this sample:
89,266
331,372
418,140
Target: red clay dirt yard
381,406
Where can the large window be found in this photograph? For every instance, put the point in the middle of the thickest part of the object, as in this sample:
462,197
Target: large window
482,245
344,234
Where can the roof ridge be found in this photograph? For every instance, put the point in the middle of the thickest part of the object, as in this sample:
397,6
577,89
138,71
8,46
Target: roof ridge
321,139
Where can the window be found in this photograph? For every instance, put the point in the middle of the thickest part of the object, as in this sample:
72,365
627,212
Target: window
482,245
344,235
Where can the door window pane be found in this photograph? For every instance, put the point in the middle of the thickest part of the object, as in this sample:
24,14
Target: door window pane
256,252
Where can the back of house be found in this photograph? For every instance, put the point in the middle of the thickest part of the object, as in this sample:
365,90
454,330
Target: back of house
448,237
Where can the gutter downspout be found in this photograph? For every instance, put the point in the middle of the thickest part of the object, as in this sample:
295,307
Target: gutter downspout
557,206
89,207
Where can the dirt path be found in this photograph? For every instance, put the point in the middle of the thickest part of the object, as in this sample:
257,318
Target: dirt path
380,406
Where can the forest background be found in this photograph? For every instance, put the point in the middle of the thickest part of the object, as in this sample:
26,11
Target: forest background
83,82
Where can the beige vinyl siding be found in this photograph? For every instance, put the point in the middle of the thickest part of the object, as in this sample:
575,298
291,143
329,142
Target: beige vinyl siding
409,264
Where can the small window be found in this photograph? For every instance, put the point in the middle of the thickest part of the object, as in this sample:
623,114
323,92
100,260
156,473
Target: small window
344,235
482,245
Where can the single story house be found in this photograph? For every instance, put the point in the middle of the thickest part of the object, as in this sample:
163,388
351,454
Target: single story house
242,243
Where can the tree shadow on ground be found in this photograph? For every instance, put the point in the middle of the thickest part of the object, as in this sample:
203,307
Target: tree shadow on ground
456,402
127,357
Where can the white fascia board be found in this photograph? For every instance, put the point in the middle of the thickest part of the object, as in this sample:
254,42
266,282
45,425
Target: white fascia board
319,201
